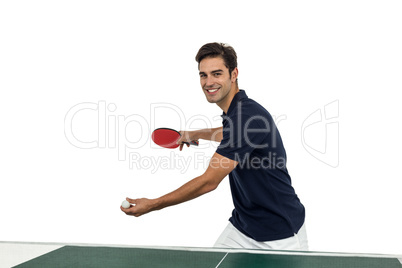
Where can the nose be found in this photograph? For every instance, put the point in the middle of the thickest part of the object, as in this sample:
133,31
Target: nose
210,81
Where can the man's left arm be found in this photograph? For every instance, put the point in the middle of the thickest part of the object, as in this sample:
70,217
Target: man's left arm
219,167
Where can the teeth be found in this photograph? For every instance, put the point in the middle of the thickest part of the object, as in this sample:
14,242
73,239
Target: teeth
212,90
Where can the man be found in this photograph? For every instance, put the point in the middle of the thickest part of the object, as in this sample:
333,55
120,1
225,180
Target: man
267,214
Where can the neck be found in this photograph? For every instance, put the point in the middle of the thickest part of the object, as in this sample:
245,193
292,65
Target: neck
225,103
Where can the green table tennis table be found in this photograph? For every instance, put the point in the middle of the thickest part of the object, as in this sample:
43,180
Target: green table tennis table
31,255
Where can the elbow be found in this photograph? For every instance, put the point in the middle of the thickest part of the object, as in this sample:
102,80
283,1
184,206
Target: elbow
219,138
211,186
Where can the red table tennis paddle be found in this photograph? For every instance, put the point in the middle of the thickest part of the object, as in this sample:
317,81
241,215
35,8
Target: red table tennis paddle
167,138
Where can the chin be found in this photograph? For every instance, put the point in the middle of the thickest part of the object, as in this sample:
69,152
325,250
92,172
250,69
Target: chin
214,99
211,101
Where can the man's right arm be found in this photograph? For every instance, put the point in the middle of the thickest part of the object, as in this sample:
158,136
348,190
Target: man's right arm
211,134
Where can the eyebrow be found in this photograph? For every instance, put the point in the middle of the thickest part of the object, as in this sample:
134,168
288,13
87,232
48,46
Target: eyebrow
213,72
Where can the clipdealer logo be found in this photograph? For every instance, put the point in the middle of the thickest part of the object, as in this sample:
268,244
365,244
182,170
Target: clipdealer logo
127,134
320,134
111,128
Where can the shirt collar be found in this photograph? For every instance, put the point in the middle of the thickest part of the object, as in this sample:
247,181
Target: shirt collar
241,95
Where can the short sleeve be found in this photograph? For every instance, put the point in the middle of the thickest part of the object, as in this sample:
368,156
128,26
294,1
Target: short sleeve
242,134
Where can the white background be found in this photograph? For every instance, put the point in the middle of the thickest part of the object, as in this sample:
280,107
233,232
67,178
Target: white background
295,58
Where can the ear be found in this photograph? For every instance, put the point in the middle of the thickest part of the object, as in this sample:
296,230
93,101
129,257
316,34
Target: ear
235,74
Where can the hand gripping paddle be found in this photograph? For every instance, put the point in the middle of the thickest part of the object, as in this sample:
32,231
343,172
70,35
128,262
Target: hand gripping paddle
167,138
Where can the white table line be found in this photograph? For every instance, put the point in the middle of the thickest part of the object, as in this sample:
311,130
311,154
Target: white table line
222,260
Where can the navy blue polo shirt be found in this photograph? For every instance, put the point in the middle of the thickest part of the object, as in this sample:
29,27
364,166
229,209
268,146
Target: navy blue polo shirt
266,205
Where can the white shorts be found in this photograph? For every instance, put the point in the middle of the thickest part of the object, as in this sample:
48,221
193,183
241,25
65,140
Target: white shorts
233,238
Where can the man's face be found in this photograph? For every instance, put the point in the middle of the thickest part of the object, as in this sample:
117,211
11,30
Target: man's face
215,79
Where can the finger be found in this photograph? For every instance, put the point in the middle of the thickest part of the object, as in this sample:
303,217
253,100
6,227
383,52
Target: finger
181,138
131,201
181,146
179,141
129,211
125,210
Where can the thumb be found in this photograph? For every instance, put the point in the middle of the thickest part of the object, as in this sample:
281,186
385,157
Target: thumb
131,201
181,138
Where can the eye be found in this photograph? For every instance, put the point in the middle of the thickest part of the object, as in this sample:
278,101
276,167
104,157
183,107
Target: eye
202,75
217,74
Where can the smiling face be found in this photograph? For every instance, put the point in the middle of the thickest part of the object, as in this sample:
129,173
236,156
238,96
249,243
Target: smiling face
218,84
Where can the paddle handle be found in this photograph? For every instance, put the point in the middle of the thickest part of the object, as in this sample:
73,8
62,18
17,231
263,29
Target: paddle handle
195,143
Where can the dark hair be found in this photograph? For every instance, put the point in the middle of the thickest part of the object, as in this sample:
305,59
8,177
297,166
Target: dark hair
225,51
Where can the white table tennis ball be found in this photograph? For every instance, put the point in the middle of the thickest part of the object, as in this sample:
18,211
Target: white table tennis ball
125,204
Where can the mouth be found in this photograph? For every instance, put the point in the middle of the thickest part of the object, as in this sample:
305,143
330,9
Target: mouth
212,90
